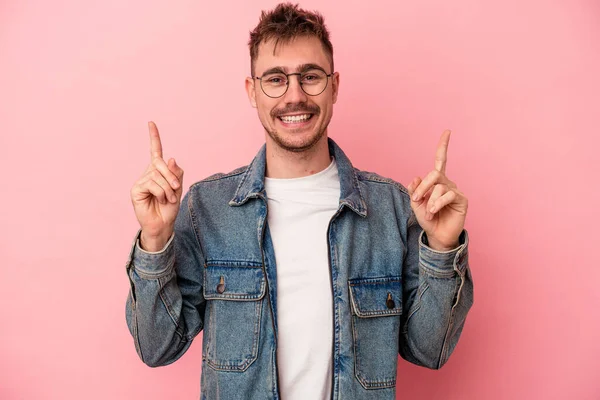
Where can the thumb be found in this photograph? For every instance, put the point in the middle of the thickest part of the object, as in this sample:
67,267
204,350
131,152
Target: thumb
413,185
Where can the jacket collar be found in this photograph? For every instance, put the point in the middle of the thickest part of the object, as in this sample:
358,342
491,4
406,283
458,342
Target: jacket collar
252,182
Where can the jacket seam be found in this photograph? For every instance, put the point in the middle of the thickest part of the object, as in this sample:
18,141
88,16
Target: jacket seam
421,290
136,337
382,180
219,176
146,275
194,223
450,325
167,303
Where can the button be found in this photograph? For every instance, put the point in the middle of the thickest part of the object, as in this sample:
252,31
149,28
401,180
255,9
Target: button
221,285
390,302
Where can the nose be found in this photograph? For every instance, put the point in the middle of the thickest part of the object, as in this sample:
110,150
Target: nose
294,93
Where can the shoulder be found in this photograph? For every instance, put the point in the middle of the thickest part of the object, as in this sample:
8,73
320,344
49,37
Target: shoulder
380,190
218,185
372,179
219,177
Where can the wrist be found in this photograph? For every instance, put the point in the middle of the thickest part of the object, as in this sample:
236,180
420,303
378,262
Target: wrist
154,243
439,246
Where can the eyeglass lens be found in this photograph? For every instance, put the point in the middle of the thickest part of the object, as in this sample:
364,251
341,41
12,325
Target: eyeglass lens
313,82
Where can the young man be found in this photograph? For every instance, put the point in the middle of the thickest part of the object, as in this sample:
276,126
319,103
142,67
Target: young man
308,276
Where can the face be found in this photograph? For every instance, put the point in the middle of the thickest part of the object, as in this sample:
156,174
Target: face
295,121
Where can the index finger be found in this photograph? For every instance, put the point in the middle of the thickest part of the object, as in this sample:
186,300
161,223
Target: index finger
155,145
441,155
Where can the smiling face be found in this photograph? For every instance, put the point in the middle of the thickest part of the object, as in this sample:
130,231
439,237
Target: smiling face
295,121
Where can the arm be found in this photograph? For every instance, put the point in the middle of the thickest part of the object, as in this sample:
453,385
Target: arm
437,295
165,305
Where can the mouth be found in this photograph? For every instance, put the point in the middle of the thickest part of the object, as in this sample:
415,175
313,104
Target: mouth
296,120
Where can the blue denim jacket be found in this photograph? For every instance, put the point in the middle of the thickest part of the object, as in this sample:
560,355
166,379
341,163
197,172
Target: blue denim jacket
392,294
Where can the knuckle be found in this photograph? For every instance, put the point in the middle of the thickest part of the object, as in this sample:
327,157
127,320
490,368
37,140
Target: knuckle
157,188
140,186
155,174
160,193
158,163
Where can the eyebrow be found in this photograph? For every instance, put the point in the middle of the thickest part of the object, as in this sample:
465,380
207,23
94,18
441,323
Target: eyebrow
299,68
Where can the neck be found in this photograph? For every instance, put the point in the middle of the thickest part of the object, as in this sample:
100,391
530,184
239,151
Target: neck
285,164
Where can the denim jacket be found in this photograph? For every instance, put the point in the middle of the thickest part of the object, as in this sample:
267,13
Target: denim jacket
392,294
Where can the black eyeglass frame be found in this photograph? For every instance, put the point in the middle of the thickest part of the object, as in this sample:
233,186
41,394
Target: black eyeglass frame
287,84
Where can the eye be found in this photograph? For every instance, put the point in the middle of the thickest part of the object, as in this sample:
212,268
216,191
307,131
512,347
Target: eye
274,79
313,77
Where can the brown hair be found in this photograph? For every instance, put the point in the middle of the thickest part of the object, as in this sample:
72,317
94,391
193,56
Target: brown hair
286,22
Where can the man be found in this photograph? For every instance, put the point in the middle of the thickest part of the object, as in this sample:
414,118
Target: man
307,276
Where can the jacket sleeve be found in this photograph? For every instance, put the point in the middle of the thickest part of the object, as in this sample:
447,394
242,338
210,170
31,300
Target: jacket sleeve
165,305
437,295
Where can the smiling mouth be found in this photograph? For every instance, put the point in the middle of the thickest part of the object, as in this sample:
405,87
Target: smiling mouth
295,119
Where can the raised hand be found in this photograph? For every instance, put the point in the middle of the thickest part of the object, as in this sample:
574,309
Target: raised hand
156,196
440,208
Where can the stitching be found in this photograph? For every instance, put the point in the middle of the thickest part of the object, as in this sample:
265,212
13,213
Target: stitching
242,364
234,263
423,287
373,177
166,302
446,344
222,175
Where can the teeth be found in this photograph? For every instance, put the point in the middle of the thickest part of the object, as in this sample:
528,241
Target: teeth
295,118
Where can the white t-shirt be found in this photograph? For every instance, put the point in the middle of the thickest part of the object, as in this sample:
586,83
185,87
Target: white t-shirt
299,213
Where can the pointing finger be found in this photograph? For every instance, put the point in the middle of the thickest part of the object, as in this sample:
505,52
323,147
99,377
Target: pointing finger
155,145
441,154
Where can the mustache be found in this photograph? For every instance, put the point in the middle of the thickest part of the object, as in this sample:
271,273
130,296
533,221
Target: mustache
309,109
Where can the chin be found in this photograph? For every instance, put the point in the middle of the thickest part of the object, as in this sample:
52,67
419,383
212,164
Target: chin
296,142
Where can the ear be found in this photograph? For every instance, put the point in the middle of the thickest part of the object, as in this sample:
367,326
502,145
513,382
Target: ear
335,84
250,90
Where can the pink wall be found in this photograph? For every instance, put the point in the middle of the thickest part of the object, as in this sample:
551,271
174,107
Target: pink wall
516,81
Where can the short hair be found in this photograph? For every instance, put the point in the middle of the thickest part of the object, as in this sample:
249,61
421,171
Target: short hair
286,22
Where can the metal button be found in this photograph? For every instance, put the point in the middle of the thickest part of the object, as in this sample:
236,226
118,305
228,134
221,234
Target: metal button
390,302
221,286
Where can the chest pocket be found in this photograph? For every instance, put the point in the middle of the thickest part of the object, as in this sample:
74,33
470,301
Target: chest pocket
234,293
376,308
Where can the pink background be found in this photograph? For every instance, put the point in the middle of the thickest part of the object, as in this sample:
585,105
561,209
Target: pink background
517,82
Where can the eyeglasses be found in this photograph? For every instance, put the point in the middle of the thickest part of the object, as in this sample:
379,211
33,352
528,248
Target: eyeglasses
313,82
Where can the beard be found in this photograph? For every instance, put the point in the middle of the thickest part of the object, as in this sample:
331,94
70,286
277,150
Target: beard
293,145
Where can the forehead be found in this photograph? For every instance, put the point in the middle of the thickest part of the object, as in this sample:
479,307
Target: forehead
290,54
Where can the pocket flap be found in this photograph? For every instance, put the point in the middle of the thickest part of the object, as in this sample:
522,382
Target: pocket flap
233,282
373,297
